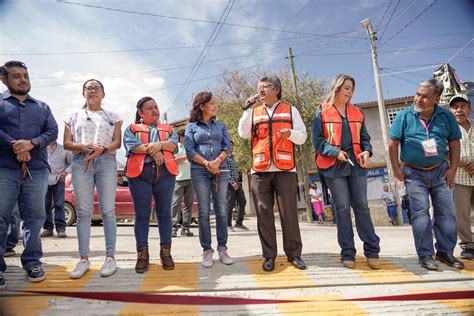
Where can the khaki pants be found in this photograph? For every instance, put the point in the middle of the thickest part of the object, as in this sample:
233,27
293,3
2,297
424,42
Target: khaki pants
463,199
265,185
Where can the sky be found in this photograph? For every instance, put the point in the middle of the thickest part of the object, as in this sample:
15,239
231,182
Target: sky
148,47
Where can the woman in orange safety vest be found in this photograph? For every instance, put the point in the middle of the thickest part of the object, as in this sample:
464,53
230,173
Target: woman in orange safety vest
342,146
151,170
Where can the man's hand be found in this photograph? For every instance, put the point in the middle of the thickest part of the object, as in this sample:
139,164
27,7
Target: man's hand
284,133
62,176
449,176
470,168
23,157
22,146
398,173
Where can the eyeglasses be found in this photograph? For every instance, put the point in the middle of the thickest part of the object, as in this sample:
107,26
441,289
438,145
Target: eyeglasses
93,88
267,86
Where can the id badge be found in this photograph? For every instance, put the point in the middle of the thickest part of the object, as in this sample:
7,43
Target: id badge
429,147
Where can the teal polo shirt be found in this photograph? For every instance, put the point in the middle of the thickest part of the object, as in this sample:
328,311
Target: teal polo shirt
408,129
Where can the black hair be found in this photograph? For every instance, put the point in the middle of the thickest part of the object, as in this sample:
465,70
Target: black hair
200,99
140,104
84,88
10,64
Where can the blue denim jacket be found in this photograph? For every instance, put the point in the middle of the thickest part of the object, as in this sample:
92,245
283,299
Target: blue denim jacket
207,140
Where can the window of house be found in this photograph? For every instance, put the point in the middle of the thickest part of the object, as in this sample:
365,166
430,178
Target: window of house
392,113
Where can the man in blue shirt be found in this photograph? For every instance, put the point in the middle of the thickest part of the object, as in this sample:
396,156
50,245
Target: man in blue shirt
424,131
27,126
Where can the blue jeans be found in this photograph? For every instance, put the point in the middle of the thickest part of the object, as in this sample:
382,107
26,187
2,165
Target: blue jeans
101,174
350,192
14,228
420,185
204,185
30,196
142,188
55,198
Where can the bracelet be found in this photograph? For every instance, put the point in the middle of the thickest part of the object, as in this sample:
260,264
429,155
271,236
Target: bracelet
105,150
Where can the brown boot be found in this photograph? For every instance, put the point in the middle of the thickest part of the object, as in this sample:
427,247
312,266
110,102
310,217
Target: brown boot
166,260
143,260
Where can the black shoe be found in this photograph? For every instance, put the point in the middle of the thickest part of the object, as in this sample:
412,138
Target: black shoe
297,262
241,227
36,274
449,259
268,264
427,262
3,283
186,232
465,254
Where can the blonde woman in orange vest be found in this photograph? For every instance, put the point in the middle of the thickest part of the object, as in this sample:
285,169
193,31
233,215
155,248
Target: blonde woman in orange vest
343,148
274,127
151,171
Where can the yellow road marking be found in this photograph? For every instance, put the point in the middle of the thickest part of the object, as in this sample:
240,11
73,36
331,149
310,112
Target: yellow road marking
388,272
284,275
465,306
322,306
183,277
57,279
469,267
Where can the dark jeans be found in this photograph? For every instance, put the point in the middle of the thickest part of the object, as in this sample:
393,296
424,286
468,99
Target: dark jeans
14,228
29,193
55,199
142,188
183,192
232,196
265,185
350,192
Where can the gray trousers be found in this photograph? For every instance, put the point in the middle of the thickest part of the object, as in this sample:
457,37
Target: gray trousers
183,192
265,185
463,200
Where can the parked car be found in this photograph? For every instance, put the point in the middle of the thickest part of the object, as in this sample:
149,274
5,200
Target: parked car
123,202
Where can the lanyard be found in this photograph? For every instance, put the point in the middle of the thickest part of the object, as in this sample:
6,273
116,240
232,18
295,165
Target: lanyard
426,126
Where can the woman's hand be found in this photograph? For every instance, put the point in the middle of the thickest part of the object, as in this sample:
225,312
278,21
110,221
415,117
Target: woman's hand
159,158
94,153
213,166
342,155
154,148
87,148
363,158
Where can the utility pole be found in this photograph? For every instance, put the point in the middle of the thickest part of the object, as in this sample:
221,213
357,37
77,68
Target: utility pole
302,164
383,118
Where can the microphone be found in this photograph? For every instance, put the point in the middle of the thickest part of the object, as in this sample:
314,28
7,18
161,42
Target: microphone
251,101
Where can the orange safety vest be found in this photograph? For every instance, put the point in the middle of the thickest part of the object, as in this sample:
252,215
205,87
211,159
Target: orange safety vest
267,146
135,162
332,129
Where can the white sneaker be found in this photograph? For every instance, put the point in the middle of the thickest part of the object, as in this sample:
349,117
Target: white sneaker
108,268
225,258
207,261
81,268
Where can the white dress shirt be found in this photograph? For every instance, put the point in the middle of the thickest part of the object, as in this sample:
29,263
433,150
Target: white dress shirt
298,132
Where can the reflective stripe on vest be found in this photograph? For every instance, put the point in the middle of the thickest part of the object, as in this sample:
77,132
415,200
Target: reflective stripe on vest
267,146
332,130
135,162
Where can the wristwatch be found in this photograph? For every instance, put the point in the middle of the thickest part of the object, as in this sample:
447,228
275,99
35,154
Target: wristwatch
35,142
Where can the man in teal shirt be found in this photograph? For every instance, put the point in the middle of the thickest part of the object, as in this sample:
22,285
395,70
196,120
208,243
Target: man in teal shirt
424,131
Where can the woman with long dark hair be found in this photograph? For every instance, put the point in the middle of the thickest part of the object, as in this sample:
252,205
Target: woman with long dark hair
343,148
93,134
207,145
151,171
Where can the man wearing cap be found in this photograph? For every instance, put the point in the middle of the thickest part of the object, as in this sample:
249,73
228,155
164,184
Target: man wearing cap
463,192
424,131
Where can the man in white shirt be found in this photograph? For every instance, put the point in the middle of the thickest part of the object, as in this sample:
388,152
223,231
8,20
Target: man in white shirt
274,128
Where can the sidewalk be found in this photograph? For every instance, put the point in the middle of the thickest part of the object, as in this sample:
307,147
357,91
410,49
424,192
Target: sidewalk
318,286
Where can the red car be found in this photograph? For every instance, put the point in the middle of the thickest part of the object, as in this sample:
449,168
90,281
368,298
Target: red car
123,202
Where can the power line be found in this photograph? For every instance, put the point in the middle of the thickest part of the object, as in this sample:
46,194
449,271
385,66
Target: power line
409,23
203,21
207,48
383,16
389,20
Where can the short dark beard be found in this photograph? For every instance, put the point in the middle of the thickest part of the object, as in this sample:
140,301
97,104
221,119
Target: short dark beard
18,92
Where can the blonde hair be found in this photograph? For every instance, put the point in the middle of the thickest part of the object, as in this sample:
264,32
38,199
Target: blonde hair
335,85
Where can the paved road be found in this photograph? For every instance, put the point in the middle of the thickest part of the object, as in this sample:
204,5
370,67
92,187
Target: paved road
317,288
